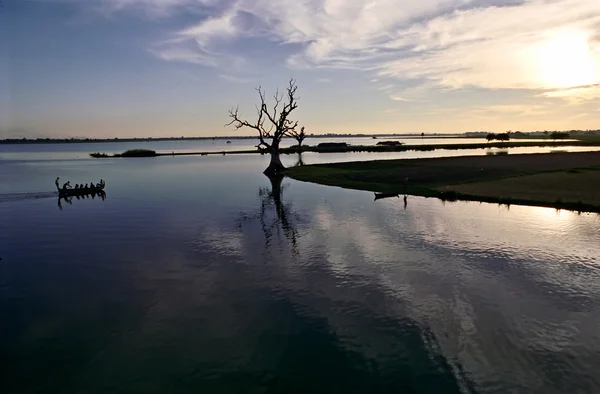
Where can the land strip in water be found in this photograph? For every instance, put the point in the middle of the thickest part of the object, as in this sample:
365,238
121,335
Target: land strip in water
559,180
377,148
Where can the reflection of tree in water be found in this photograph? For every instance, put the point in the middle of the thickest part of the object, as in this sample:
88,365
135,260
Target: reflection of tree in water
323,330
276,218
299,162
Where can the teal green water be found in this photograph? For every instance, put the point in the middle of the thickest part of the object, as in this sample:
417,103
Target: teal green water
200,275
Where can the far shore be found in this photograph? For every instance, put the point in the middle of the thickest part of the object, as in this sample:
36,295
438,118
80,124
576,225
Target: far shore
18,141
578,134
560,180
375,148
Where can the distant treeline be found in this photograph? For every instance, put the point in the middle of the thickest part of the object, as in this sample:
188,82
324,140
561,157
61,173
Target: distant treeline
555,135
149,139
482,134
544,133
499,137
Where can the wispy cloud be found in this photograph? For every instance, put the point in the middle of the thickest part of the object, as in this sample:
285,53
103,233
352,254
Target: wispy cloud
410,48
153,9
398,98
576,94
514,109
579,116
236,79
452,43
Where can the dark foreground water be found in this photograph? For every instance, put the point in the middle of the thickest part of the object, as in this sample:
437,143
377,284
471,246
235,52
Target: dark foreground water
199,275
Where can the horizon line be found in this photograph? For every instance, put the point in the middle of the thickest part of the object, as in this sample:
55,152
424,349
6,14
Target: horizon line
220,137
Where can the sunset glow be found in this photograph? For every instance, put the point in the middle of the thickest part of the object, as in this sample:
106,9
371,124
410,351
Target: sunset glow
567,60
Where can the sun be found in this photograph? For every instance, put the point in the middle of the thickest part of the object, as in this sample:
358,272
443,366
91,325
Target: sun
565,59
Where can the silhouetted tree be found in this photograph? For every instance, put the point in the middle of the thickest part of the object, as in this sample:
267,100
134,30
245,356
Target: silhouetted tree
272,125
503,137
298,136
490,137
557,135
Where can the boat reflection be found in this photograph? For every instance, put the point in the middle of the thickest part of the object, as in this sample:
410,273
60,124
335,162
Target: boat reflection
69,199
379,196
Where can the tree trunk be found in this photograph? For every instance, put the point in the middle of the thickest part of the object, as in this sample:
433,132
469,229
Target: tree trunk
275,166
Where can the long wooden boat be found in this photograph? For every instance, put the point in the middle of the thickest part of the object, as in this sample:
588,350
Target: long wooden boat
81,191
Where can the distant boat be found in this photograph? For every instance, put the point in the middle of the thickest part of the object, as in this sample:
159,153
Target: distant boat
229,142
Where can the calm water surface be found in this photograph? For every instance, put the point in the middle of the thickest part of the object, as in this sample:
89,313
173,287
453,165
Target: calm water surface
82,150
199,274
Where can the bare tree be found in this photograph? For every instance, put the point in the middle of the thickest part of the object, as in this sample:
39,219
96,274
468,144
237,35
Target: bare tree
271,125
298,136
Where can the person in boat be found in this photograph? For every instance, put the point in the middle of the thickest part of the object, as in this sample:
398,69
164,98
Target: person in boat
56,182
76,186
67,185
101,183
86,186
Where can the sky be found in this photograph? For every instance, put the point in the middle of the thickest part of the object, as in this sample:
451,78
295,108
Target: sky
149,68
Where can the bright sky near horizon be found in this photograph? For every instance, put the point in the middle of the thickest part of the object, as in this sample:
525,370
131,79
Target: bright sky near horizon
137,68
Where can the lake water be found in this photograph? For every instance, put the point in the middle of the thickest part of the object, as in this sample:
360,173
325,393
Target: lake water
198,274
82,150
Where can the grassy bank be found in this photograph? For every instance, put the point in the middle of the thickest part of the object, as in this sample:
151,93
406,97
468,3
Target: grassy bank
561,180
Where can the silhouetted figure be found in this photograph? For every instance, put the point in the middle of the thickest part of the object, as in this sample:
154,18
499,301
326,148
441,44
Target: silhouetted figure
405,202
86,186
56,182
67,185
76,186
